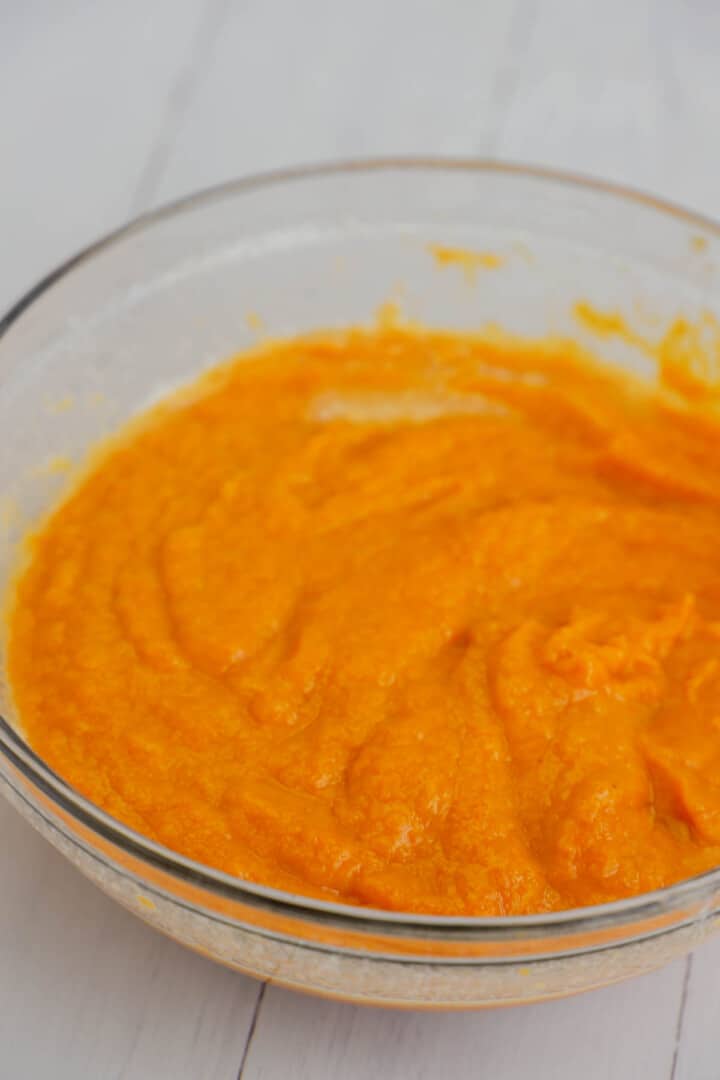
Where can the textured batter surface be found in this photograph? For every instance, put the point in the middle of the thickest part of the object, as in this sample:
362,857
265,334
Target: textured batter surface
398,617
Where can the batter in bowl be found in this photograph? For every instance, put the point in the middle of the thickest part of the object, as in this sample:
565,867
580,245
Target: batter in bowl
397,617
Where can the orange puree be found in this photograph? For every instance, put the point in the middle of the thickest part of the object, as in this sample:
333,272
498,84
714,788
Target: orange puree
396,617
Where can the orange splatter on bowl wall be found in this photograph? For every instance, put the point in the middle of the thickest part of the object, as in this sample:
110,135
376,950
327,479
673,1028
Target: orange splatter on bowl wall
400,617
470,262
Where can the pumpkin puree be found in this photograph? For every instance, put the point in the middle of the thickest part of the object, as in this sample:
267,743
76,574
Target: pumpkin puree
397,617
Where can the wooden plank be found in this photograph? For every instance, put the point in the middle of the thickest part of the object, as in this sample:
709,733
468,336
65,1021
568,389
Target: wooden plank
84,92
319,80
88,991
698,1056
626,91
598,1036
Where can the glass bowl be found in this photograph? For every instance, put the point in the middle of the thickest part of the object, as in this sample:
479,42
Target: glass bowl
148,308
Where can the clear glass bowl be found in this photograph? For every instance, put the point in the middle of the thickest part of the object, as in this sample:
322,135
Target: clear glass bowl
182,288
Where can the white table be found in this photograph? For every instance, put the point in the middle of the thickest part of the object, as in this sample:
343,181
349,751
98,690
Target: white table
108,108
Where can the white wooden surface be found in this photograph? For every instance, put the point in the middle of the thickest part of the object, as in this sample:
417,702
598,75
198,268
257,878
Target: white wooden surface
107,108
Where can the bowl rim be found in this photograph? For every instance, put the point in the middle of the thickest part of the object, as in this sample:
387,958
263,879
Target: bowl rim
18,753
